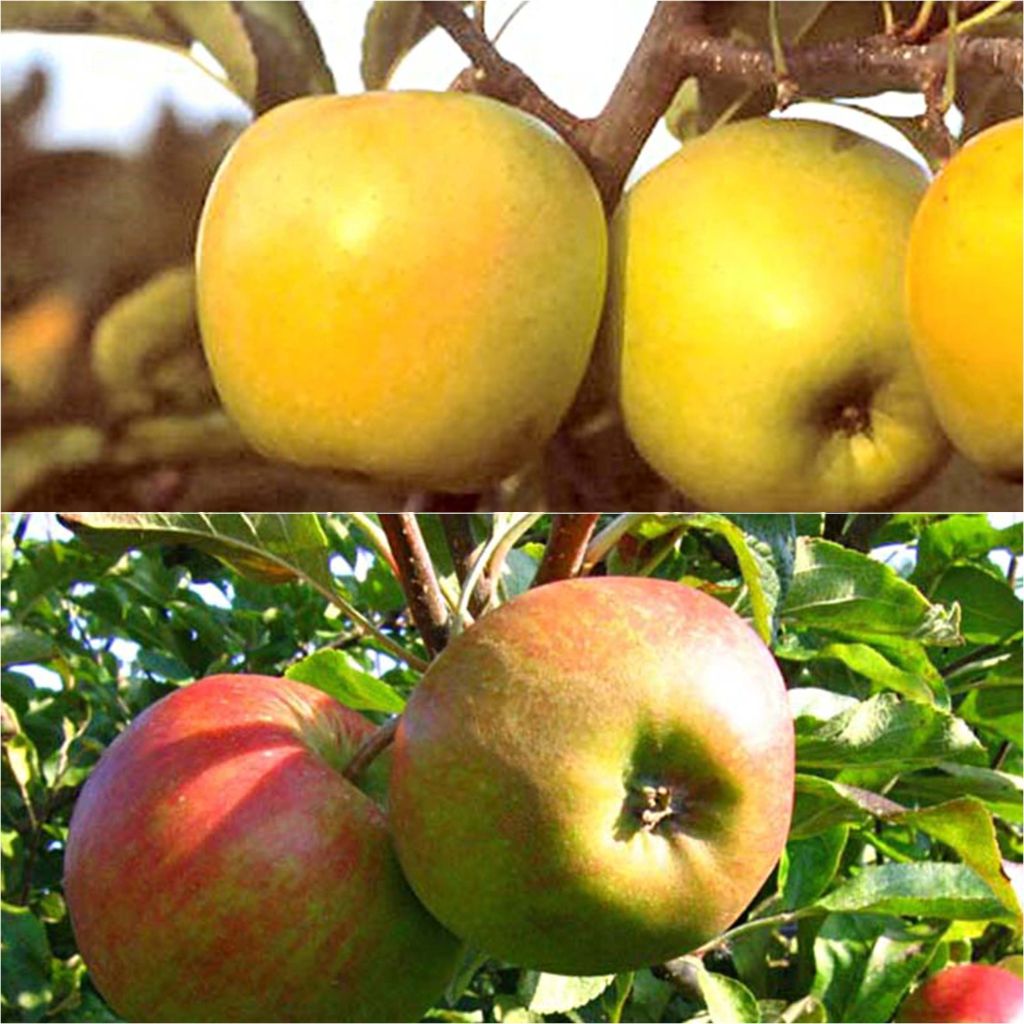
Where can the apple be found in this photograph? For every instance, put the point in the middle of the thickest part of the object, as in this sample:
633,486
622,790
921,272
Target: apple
400,284
762,346
972,993
219,867
594,777
1013,963
963,282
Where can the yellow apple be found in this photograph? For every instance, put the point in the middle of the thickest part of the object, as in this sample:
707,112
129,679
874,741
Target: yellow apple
762,346
405,284
964,269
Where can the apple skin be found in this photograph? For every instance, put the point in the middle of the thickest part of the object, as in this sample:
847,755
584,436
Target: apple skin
964,268
518,769
972,993
762,345
219,867
401,284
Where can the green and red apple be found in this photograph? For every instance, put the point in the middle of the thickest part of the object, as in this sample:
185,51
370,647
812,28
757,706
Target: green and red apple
596,776
220,867
968,993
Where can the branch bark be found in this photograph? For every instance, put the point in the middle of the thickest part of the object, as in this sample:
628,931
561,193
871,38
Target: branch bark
612,141
676,45
459,535
497,77
416,574
567,544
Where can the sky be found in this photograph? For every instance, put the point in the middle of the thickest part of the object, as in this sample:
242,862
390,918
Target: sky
107,91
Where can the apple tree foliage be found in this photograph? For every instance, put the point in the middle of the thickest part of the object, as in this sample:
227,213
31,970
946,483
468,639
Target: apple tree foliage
899,637
108,402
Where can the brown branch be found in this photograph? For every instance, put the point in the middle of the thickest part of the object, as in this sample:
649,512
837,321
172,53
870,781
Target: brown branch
459,535
495,76
612,141
676,45
842,68
369,749
567,544
416,574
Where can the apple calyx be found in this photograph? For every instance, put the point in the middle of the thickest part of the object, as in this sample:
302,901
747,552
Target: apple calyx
656,807
849,411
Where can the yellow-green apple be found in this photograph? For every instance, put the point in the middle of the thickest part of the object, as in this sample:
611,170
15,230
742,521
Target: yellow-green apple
220,867
762,344
964,269
971,993
403,284
596,776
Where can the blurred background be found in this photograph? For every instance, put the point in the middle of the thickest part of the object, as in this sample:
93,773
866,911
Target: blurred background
108,147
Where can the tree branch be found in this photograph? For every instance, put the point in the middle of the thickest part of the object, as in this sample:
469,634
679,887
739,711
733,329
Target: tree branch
612,141
676,45
369,749
497,77
416,574
567,544
844,67
459,534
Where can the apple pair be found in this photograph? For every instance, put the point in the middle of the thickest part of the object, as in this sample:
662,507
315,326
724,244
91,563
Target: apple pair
594,777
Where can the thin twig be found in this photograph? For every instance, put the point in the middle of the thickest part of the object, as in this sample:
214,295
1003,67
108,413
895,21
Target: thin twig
458,532
567,544
497,76
599,547
416,574
369,749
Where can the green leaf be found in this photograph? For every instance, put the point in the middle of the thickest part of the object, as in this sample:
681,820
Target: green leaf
809,1010
886,733
729,1001
823,804
290,59
916,678
25,965
557,993
219,28
269,547
147,326
863,964
923,889
960,538
1000,792
335,673
471,960
20,646
847,592
809,865
650,995
34,454
991,611
393,28
966,827
756,565
999,708
128,18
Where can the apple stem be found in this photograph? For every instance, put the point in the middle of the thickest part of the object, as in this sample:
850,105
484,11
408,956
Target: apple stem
369,749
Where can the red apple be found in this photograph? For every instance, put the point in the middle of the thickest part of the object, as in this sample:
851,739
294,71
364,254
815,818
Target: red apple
219,867
596,776
973,993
